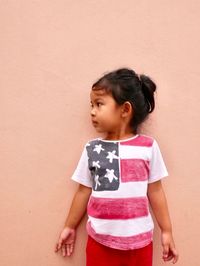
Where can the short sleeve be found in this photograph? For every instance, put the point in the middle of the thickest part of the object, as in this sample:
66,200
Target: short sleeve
82,174
158,169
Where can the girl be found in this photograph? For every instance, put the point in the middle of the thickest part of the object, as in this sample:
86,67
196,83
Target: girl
118,176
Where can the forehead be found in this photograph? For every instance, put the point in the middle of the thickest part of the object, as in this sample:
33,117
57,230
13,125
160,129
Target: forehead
99,94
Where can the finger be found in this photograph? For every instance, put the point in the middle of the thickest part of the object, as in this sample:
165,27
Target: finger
69,249
165,252
59,244
175,260
56,248
175,255
63,250
170,257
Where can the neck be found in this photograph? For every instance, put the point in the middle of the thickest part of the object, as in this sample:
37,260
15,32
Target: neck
120,135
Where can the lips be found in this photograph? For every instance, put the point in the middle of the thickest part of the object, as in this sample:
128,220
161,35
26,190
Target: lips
95,123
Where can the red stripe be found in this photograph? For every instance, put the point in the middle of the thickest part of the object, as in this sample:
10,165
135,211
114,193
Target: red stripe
143,141
134,170
120,208
121,242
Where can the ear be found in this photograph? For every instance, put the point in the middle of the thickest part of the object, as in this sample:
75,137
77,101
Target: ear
127,109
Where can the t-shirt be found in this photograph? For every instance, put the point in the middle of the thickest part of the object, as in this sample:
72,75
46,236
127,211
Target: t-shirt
118,173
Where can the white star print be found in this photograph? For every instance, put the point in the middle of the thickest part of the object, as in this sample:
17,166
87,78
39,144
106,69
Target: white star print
111,156
110,175
96,164
96,179
98,148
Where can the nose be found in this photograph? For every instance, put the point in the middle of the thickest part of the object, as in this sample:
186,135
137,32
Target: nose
92,112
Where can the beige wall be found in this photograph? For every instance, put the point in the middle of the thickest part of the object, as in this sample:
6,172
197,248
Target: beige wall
50,54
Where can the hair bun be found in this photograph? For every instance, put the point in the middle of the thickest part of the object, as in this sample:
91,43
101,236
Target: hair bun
148,89
125,73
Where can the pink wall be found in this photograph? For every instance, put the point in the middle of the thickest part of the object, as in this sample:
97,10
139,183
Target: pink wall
51,52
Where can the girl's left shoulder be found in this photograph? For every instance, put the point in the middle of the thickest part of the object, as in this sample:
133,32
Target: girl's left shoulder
146,140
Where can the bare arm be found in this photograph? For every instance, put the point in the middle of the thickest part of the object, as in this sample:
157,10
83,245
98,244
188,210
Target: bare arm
77,210
78,207
159,206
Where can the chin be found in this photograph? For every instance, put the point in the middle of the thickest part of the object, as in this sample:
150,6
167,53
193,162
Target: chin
99,130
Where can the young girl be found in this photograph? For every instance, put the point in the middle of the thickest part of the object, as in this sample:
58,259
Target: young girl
118,176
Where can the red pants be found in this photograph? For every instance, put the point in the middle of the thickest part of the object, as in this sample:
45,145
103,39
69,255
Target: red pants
100,255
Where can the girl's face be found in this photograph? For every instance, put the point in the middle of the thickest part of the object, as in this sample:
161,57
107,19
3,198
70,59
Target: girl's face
105,112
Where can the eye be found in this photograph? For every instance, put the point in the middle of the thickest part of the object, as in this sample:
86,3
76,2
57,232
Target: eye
99,104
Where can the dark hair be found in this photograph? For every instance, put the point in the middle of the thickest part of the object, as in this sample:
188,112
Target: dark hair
125,85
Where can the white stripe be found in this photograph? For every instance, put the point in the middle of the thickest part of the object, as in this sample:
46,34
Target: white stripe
135,152
128,227
126,190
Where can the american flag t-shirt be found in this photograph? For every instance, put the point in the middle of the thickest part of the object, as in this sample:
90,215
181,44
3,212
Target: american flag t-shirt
119,173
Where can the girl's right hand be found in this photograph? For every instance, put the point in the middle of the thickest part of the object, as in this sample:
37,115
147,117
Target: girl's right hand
66,241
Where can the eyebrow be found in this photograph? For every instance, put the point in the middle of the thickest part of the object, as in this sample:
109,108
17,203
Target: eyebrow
97,99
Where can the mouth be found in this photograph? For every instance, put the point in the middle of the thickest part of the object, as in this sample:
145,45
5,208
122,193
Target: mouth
95,123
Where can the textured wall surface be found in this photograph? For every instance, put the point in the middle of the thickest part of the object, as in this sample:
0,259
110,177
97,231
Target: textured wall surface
51,52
